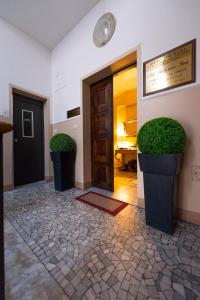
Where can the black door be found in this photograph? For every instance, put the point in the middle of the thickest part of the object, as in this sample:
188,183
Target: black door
28,121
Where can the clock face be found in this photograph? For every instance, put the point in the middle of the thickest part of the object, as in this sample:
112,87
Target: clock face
104,29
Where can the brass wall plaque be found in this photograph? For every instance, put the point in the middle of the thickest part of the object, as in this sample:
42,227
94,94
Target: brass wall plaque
172,69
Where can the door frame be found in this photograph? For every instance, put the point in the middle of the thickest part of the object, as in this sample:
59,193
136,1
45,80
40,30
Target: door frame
8,149
132,57
28,100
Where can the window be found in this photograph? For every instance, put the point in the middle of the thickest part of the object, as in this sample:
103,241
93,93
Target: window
27,124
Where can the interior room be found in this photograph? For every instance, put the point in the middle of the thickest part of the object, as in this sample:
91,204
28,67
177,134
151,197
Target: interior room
125,132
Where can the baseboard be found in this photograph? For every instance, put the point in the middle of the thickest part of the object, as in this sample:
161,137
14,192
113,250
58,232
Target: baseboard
82,185
189,216
183,215
49,178
8,188
140,202
78,185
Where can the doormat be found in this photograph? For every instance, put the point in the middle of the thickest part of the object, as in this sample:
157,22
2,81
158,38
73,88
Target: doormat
107,204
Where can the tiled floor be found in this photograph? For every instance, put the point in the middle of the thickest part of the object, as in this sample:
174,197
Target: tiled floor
124,179
59,248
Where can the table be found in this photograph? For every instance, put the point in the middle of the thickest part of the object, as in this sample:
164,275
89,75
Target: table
124,152
4,128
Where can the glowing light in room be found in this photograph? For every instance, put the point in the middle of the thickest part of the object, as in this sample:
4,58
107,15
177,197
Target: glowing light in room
124,145
121,129
124,81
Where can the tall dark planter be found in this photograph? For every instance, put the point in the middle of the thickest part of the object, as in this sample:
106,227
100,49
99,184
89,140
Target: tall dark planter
64,169
160,174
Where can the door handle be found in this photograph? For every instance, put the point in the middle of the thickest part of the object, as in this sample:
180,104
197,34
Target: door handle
16,140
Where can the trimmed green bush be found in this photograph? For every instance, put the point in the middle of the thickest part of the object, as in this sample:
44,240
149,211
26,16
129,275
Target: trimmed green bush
161,136
62,142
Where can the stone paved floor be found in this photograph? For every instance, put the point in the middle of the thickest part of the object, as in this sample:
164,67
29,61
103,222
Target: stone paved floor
26,276
88,254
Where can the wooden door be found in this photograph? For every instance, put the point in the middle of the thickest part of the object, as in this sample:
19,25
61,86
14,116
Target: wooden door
28,140
102,134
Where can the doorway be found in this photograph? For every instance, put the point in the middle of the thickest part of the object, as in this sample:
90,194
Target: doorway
28,121
119,64
125,132
114,132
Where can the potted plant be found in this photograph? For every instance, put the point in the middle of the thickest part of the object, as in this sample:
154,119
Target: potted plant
63,156
161,143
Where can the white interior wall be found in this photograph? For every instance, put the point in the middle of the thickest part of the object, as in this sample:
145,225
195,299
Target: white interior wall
24,63
156,25
153,27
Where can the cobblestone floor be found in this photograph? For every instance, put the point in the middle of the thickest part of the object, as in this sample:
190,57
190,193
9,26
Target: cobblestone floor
92,255
26,276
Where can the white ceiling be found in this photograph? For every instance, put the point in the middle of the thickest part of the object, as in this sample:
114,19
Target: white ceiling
47,21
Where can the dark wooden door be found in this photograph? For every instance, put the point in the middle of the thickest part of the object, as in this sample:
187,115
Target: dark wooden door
28,140
102,134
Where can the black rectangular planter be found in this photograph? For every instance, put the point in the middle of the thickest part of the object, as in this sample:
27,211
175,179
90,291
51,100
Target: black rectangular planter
64,169
160,174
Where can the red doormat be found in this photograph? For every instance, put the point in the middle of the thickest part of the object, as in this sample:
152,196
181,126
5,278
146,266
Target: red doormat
110,205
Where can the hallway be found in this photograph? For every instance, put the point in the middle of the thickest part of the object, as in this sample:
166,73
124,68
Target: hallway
78,252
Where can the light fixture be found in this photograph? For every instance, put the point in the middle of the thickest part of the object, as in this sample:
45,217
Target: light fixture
121,129
104,30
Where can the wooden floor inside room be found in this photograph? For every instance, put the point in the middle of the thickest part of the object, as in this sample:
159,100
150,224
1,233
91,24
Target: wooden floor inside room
125,185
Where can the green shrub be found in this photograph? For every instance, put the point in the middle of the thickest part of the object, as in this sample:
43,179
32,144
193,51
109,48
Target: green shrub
62,142
161,136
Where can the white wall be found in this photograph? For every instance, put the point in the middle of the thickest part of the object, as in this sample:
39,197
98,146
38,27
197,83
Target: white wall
23,62
156,25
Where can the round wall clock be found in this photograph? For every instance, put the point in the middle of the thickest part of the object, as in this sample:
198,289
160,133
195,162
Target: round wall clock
104,29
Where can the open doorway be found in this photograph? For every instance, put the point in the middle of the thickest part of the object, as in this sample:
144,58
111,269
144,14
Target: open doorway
114,133
125,132
99,136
